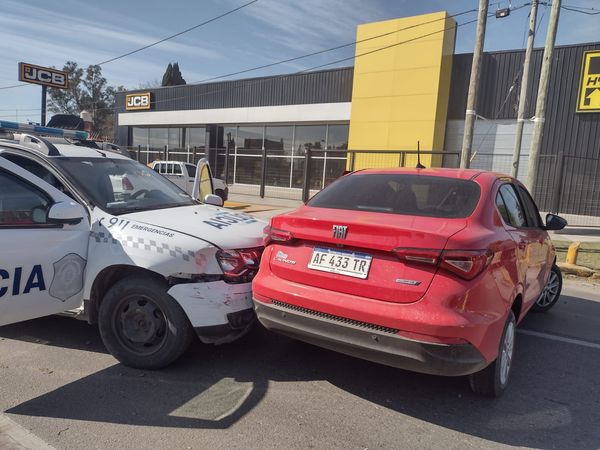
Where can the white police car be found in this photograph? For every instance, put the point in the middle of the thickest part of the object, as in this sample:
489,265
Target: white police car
97,235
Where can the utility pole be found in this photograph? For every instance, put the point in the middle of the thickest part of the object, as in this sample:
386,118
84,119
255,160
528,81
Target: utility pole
524,87
540,107
470,115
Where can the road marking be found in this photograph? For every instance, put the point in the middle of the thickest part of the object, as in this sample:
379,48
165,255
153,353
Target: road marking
561,339
20,436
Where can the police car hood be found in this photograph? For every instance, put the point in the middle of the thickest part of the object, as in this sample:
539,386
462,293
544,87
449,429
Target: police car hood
221,227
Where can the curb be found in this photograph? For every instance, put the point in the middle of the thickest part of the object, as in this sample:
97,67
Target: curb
14,437
580,271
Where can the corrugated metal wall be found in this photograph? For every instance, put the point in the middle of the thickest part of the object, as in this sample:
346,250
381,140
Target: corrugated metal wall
571,141
327,86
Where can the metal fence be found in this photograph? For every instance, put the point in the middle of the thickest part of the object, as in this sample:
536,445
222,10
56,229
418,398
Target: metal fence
298,177
147,154
567,185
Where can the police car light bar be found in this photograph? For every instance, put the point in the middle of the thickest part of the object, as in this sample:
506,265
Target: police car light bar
16,127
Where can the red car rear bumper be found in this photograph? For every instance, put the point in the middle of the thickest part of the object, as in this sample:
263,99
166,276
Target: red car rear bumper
431,335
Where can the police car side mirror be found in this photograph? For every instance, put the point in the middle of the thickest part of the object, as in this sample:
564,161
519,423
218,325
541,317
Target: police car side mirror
215,200
69,213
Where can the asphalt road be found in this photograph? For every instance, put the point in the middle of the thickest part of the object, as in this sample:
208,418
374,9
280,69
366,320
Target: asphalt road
267,391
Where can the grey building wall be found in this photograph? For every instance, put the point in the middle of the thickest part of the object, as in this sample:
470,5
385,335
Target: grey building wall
325,86
569,165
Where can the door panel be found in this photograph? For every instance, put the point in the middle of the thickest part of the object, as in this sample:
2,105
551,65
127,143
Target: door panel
527,252
42,264
539,243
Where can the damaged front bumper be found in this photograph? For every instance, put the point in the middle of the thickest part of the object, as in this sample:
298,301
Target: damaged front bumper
220,312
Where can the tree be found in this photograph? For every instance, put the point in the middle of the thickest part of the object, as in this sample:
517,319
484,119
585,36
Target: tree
88,90
172,76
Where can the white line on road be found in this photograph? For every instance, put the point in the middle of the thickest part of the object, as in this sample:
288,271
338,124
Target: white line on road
560,338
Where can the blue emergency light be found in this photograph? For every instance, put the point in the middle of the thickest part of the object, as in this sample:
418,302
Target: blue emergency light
16,127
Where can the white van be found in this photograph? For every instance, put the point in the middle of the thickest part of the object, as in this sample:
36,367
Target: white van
103,238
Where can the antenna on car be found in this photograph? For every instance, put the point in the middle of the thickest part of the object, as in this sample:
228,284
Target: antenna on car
419,165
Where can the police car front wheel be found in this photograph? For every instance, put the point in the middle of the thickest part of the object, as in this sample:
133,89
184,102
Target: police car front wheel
143,326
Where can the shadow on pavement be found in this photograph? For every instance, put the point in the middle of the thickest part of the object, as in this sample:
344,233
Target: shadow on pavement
553,400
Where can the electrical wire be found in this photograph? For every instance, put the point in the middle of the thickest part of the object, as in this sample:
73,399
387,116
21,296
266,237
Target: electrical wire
319,52
580,10
512,87
283,76
303,56
206,22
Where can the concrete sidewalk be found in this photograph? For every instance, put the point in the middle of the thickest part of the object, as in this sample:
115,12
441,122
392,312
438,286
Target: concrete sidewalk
14,437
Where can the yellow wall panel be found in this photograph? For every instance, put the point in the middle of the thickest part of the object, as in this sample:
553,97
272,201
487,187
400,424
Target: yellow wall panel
400,94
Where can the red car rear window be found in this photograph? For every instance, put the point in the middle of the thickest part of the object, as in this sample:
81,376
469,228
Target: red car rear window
416,195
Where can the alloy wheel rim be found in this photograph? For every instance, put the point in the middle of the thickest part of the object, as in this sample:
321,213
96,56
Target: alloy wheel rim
550,291
506,354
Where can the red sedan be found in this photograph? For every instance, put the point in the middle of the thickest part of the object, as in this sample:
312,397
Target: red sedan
427,270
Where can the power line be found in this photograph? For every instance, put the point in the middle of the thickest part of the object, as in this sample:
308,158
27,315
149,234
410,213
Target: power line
157,42
177,34
580,10
252,69
283,76
309,54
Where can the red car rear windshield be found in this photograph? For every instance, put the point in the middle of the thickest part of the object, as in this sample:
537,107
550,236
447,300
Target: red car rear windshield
415,195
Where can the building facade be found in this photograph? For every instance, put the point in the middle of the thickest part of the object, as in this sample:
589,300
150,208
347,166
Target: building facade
406,89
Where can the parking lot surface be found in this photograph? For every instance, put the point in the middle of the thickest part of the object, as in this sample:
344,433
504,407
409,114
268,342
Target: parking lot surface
267,391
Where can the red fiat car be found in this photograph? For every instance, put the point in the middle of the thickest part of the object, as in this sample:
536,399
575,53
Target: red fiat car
428,270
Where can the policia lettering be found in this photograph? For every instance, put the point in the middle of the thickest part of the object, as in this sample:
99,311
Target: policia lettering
35,280
66,282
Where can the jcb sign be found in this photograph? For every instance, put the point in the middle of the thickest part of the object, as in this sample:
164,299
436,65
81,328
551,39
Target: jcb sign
137,101
45,76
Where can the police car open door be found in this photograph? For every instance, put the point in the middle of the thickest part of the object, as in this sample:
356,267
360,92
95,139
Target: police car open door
43,247
203,182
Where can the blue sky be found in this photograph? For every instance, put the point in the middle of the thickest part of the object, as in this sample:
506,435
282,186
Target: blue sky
50,33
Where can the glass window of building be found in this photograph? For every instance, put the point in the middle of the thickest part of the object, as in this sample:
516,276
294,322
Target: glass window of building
223,139
175,138
278,140
278,144
139,136
250,140
196,137
309,136
158,138
248,160
337,137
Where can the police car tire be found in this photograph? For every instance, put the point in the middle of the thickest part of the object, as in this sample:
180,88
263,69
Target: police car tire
178,331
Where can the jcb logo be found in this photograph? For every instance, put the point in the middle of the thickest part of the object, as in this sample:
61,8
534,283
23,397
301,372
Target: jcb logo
137,101
43,75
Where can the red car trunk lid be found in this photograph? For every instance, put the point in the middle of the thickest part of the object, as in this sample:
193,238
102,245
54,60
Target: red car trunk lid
374,234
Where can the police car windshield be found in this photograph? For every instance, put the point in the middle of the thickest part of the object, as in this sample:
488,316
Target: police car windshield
119,186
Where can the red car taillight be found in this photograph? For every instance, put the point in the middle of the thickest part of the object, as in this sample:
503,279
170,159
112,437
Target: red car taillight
239,266
271,235
466,264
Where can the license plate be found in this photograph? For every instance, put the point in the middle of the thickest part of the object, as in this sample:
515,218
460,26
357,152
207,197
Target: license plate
352,264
